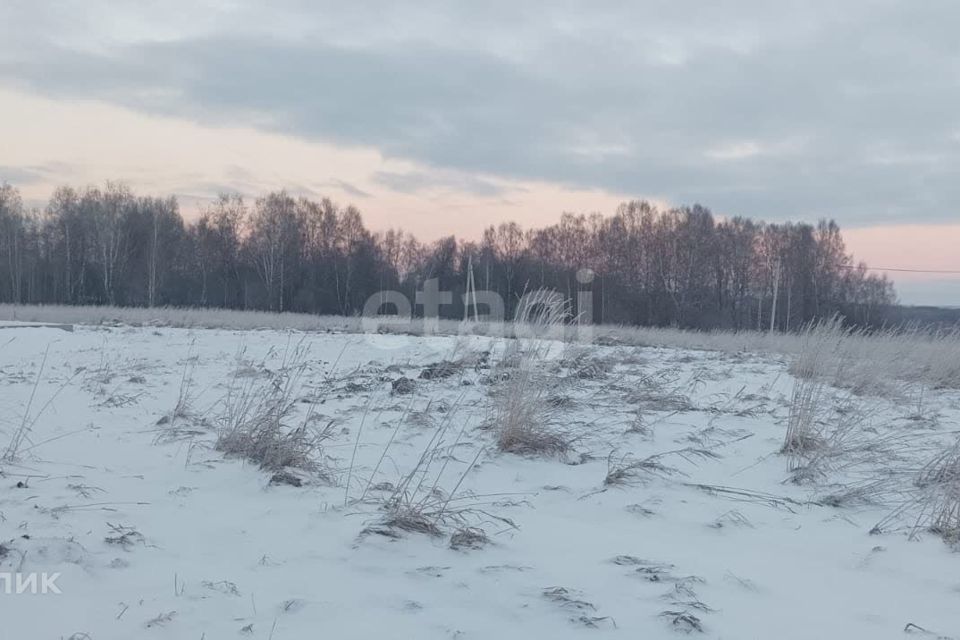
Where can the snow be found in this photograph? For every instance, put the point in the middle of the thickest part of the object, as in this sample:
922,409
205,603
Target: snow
213,550
14,324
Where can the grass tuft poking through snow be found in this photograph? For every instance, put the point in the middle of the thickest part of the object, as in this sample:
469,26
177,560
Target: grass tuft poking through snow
430,500
22,432
939,482
523,408
834,426
524,416
627,470
255,423
804,433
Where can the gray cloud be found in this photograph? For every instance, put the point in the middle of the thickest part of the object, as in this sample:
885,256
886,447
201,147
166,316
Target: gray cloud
34,173
349,189
797,110
414,181
20,175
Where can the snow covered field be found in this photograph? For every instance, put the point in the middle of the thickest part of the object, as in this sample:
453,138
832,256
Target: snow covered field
662,503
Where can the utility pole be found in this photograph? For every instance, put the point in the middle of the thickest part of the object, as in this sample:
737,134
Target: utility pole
776,291
471,297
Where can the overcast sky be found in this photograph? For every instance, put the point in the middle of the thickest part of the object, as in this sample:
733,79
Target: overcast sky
444,117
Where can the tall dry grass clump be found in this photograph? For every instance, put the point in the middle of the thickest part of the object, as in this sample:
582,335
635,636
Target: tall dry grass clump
829,433
834,413
939,483
933,504
942,368
805,431
821,349
420,503
430,498
259,420
523,414
816,362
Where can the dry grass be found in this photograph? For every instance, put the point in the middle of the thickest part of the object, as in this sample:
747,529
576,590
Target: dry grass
831,432
524,411
185,398
626,470
429,499
820,343
421,505
183,422
932,503
683,621
525,415
939,482
804,433
872,359
835,407
469,539
255,423
662,391
23,431
878,363
836,425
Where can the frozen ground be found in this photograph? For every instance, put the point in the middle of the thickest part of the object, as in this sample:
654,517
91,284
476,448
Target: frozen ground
118,487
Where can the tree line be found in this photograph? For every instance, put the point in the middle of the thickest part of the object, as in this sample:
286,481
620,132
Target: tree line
680,266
